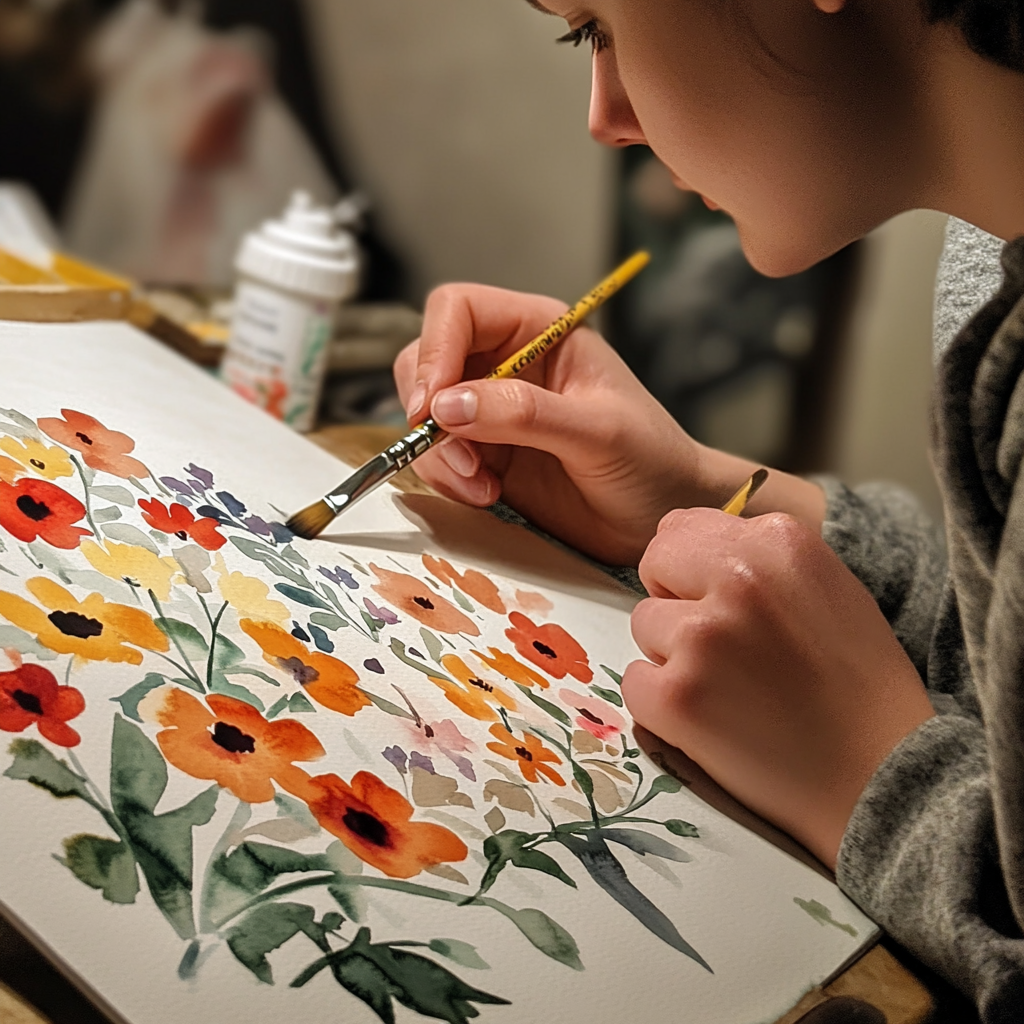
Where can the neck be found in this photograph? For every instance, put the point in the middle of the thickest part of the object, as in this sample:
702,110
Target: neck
977,119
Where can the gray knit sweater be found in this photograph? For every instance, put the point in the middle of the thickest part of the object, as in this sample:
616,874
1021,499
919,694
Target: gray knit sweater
935,849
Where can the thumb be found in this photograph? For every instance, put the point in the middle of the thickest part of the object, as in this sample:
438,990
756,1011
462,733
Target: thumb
517,413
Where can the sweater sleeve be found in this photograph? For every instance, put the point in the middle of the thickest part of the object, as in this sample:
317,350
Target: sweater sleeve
919,856
887,541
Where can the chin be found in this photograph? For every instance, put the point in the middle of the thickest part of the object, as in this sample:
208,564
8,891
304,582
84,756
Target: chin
783,253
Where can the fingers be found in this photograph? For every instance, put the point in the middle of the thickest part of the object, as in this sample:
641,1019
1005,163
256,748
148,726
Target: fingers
656,624
644,694
461,320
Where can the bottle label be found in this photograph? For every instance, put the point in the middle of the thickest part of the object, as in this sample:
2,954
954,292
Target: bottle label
277,354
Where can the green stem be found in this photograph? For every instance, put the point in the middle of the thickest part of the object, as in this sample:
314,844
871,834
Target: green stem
189,671
238,820
180,668
102,807
214,623
88,497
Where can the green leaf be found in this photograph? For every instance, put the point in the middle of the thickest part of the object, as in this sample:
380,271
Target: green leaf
582,777
546,935
609,695
271,559
388,708
462,601
461,953
130,699
328,620
631,766
35,764
24,643
191,641
644,844
219,683
398,650
105,864
289,552
546,706
20,425
378,973
251,670
614,676
432,644
305,597
162,844
125,533
678,827
106,515
288,806
298,704
276,708
270,926
227,654
599,862
507,848
112,492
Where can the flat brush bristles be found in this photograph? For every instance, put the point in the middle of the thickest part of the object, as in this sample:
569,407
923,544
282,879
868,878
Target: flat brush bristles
310,522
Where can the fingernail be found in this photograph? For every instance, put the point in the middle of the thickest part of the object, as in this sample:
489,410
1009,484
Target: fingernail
460,458
416,399
455,407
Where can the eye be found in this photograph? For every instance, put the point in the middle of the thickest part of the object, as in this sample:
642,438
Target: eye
588,33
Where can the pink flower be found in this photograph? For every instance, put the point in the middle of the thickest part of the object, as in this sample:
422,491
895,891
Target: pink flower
597,716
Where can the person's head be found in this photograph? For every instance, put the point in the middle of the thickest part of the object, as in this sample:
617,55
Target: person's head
809,121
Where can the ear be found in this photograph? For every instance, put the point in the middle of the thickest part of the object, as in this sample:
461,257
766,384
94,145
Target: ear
830,6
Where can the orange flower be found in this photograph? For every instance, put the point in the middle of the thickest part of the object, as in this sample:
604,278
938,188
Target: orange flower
550,648
507,666
93,629
374,822
415,598
474,696
178,520
34,508
233,745
327,680
102,449
30,695
471,582
529,753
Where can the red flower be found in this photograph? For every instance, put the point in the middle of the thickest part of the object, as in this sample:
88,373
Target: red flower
101,448
36,508
549,647
30,695
178,520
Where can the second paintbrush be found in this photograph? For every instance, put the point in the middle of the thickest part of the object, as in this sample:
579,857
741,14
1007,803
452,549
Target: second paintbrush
312,521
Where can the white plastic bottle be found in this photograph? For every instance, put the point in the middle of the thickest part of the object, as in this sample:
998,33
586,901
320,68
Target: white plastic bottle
293,275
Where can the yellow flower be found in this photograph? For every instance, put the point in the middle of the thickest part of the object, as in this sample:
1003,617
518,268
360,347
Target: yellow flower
249,596
93,629
135,565
9,471
49,462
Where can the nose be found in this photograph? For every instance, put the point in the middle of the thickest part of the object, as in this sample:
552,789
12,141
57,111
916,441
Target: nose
612,120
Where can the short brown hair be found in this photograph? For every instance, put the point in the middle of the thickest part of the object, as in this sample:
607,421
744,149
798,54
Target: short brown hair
992,28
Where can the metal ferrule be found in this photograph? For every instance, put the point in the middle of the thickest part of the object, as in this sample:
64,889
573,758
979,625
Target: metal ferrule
380,469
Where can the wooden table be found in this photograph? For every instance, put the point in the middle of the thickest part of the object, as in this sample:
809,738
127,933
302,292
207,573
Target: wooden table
876,981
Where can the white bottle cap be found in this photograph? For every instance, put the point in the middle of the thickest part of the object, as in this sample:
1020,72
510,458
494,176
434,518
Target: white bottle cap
303,252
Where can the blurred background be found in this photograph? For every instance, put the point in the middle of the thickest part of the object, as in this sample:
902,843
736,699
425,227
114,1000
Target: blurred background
156,132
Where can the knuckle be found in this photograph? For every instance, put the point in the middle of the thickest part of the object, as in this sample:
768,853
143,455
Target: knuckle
521,401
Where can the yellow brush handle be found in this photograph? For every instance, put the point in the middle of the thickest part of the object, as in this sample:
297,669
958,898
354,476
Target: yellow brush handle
567,323
738,502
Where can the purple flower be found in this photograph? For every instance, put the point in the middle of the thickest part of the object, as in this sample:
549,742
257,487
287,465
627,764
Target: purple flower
464,765
212,512
178,486
204,476
258,526
231,503
419,761
385,615
281,533
373,665
396,755
339,576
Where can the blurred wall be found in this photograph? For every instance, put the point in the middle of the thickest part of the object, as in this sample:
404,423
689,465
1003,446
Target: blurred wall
883,408
467,125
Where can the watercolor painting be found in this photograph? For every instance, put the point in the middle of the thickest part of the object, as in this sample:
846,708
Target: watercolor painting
296,753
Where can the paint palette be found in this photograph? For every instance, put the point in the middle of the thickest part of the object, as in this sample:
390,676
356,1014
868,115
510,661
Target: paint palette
384,775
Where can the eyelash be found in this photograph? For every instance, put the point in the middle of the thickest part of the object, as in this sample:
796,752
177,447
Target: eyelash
588,33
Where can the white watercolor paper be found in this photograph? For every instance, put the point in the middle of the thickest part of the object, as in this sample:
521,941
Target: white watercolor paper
385,775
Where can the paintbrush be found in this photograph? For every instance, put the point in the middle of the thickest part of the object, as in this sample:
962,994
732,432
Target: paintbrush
312,521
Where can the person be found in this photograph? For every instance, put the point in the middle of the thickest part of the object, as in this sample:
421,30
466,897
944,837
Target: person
819,658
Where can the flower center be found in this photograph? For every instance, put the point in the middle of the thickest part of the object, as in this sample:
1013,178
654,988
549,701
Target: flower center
232,739
424,602
28,702
37,463
481,685
524,753
302,673
181,535
84,438
37,511
73,624
591,718
544,649
428,731
366,826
